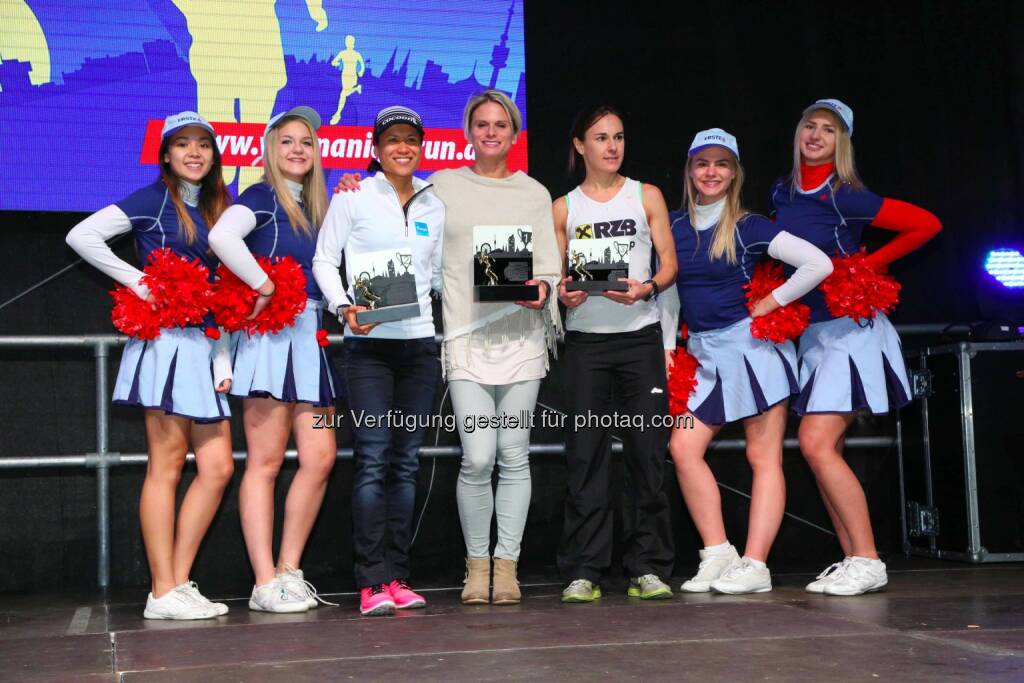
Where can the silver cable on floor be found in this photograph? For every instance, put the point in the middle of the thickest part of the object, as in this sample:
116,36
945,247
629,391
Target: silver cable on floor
433,470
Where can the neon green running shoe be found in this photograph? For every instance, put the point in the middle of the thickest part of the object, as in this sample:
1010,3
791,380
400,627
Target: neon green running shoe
581,590
648,587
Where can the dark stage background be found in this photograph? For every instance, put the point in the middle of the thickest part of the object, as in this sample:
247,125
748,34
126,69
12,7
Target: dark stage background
935,89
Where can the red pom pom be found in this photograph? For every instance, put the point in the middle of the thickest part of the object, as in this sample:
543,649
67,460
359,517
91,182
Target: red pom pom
682,380
858,290
133,316
212,332
179,292
289,298
321,338
784,323
232,300
684,332
180,288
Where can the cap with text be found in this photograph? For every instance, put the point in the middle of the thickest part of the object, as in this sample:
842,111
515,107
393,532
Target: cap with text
175,122
844,113
391,116
714,137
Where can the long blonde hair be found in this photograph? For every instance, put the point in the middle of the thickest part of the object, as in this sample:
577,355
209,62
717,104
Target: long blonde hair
723,241
845,167
314,187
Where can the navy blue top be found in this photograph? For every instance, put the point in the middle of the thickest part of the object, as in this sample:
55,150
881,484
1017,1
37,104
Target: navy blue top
273,235
711,293
831,220
155,226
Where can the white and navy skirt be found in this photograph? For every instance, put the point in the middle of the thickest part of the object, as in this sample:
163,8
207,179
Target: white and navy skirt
172,373
846,367
287,366
739,376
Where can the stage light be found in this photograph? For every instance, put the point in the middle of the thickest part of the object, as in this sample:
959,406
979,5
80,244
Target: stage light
1006,265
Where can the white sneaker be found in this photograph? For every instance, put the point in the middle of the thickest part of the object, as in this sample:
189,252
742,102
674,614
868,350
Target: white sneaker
743,577
857,576
178,603
297,584
218,607
712,566
276,596
825,578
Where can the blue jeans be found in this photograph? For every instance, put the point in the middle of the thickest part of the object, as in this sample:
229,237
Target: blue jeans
391,388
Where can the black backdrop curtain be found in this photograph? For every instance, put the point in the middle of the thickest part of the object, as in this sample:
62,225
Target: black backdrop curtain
935,88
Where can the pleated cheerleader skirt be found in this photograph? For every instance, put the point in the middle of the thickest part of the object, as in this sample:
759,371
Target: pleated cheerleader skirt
287,366
739,376
173,373
846,367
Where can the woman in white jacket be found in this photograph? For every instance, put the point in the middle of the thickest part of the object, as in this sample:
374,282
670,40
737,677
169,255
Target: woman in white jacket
391,368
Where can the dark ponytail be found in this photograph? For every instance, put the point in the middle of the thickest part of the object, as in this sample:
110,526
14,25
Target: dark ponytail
584,120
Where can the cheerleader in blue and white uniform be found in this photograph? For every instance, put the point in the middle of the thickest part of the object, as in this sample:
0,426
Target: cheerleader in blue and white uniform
740,377
180,377
845,366
284,378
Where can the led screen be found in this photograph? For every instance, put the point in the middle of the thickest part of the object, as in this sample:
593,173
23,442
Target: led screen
85,85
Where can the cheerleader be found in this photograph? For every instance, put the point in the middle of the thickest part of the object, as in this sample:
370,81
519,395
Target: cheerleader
739,377
845,365
614,355
172,377
391,368
284,377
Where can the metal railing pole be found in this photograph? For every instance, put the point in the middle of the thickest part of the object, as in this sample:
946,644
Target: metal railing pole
102,468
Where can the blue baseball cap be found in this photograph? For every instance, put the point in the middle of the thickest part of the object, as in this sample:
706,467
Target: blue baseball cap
307,114
714,137
838,108
175,122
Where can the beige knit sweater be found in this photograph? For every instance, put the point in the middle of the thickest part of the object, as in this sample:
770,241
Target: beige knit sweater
471,200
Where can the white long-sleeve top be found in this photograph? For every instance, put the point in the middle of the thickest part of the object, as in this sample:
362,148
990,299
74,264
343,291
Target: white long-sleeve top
711,291
373,219
89,240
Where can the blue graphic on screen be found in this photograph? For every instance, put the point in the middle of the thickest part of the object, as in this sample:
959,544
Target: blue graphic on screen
80,81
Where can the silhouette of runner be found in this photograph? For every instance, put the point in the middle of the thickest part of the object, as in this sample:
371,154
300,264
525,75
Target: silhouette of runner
236,54
352,69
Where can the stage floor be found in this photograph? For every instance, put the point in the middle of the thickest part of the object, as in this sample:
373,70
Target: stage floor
936,621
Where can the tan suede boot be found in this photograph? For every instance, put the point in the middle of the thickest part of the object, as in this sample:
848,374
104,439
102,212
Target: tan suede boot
477,590
506,585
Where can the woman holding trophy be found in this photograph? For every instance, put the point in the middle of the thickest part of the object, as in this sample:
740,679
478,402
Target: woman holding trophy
615,360
391,235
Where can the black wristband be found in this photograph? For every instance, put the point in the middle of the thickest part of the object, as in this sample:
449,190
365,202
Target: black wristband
654,289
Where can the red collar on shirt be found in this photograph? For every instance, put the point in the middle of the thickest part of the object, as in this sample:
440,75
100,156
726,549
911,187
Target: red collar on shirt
813,176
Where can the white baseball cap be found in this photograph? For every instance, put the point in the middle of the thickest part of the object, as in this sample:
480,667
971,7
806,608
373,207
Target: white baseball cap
714,137
175,122
838,108
308,114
